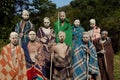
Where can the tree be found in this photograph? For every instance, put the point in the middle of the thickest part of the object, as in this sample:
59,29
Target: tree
7,9
41,9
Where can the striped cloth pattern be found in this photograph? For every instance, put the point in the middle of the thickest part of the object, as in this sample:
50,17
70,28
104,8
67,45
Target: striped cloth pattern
80,65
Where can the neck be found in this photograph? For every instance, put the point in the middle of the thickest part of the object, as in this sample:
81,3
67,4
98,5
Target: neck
95,27
62,21
103,38
25,20
46,27
13,46
86,43
62,43
32,41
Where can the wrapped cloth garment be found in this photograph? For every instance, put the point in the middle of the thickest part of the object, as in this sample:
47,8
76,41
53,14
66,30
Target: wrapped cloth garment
85,65
62,67
12,65
35,67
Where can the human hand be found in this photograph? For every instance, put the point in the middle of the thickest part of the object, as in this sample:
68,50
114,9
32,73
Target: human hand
88,51
21,35
102,51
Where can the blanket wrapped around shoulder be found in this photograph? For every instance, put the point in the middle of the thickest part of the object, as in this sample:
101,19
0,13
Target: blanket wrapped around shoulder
80,64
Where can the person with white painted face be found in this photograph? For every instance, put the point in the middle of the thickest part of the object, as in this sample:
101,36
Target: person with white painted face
77,32
23,27
46,36
12,60
35,58
94,32
63,24
61,59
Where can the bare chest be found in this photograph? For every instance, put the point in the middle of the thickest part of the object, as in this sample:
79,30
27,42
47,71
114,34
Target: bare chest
60,49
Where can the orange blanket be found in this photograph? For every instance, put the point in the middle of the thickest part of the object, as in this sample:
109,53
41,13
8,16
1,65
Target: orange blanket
8,70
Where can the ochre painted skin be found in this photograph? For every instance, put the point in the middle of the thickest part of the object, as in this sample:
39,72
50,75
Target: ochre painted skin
33,46
34,49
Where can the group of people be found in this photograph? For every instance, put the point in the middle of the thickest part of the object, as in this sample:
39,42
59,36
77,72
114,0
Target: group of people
63,52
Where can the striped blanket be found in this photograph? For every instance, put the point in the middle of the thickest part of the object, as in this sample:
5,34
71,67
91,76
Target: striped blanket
84,65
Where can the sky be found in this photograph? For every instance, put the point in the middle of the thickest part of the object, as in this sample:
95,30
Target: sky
60,3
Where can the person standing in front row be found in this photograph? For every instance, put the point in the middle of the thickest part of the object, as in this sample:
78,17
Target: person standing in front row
63,25
84,60
35,58
12,60
105,56
23,27
61,59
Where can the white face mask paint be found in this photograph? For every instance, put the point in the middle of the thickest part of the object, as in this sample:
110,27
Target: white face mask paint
77,23
92,23
62,16
61,36
25,14
14,38
32,35
46,22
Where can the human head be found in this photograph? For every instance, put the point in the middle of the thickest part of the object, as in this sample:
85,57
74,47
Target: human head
92,23
62,15
25,14
85,37
77,22
32,35
14,38
104,34
46,22
61,36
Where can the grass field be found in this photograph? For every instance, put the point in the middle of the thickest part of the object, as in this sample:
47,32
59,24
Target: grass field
116,61
117,66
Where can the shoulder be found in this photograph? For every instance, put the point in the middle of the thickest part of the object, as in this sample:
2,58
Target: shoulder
81,28
40,29
97,28
19,47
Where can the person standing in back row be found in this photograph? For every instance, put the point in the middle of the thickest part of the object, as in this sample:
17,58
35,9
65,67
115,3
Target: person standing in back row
94,33
23,27
46,36
63,25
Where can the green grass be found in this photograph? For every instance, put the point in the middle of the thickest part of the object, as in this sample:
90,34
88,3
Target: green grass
117,66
